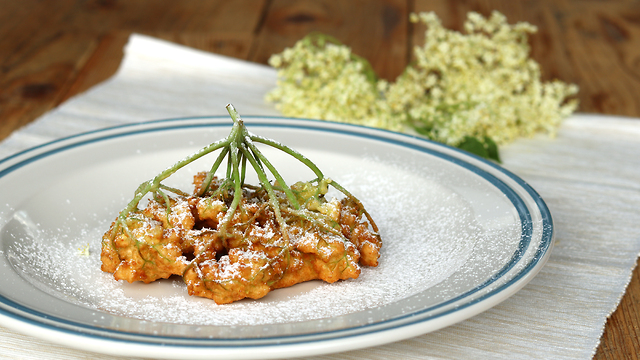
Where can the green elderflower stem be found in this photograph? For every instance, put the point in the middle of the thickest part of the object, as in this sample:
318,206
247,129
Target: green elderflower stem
238,148
303,159
234,151
207,180
273,199
286,189
360,205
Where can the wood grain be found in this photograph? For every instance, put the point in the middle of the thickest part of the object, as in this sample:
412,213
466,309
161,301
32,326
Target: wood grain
50,51
375,30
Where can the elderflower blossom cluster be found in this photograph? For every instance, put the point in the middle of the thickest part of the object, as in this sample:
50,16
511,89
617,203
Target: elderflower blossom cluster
320,79
479,84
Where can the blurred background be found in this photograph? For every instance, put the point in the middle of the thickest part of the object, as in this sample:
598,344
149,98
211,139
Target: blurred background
52,50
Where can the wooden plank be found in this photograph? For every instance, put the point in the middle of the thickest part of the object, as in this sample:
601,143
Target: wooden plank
37,82
603,39
383,23
164,15
622,332
54,50
37,60
210,26
106,58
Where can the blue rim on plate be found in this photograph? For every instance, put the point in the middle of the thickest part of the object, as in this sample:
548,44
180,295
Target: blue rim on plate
422,320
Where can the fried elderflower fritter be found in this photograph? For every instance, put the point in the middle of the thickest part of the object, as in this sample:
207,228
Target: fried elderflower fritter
230,240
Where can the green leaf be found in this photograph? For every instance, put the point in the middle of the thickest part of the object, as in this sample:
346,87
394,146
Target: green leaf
492,149
424,131
485,148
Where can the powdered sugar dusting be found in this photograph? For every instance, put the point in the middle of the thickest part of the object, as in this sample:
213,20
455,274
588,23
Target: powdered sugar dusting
429,231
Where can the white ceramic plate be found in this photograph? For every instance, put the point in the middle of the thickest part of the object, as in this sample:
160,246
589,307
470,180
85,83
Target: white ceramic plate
460,235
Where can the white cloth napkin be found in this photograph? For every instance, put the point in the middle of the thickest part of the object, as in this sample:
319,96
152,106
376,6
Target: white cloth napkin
589,176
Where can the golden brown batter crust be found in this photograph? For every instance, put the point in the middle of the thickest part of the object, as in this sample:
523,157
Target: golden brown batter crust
251,255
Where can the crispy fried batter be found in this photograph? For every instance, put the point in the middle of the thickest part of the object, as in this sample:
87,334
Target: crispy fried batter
250,256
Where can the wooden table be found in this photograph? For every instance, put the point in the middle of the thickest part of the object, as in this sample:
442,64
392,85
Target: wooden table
50,51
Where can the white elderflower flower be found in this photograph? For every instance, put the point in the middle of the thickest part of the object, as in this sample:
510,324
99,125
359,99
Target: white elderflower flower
480,87
320,78
486,86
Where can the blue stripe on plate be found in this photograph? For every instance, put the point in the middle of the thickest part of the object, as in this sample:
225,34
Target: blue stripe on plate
57,146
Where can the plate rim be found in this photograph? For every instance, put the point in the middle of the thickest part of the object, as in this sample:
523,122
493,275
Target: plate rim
32,154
